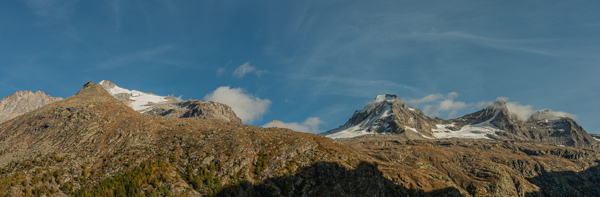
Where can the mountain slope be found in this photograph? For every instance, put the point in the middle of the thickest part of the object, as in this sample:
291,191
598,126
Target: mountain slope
93,130
22,102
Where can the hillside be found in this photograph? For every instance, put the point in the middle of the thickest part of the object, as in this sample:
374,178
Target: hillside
92,143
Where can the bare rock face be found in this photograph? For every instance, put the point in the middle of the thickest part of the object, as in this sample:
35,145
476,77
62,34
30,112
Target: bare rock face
195,109
22,102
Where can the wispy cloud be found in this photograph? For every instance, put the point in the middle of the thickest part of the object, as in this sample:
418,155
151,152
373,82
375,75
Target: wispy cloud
504,44
147,55
246,106
245,69
310,125
220,71
51,11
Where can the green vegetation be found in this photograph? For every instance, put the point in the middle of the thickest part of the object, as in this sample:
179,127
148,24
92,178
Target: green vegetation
150,177
261,163
204,180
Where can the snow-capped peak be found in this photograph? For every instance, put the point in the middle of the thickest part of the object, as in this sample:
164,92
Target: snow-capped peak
139,100
386,98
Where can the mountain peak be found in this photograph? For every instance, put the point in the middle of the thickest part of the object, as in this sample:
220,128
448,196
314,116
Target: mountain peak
548,115
386,98
385,114
500,103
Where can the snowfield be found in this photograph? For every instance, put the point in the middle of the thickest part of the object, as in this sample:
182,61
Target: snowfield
140,99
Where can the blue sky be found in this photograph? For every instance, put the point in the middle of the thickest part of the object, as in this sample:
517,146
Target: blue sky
310,64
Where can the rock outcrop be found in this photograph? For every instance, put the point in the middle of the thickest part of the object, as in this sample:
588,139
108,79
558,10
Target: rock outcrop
22,102
195,109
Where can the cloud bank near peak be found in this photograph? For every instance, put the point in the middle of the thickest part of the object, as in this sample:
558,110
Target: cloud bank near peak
523,112
438,104
246,106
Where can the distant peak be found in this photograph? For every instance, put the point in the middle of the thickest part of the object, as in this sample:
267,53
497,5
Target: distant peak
88,84
550,115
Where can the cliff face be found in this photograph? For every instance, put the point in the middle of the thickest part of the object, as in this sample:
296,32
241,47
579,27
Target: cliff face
22,102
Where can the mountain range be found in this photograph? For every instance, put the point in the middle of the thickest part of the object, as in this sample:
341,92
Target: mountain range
110,141
387,114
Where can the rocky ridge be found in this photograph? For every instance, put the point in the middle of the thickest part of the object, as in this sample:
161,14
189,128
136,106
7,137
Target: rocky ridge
22,102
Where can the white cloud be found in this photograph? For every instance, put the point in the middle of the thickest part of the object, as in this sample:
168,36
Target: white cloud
436,106
310,125
426,99
245,69
246,106
564,114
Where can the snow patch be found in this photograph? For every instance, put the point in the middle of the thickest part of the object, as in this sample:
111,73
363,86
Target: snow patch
411,109
412,129
476,131
140,99
596,138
